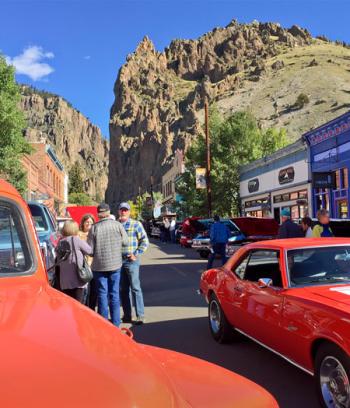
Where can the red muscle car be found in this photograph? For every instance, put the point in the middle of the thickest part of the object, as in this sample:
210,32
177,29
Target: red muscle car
291,296
55,352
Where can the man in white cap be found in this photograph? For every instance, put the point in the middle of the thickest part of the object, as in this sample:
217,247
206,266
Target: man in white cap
130,274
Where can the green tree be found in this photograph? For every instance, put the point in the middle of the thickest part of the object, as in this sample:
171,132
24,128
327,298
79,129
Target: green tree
235,141
12,142
79,199
76,184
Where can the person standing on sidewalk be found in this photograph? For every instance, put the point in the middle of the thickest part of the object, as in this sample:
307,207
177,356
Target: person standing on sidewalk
106,238
130,275
172,229
288,228
219,235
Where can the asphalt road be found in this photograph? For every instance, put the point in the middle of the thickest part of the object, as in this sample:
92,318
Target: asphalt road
177,320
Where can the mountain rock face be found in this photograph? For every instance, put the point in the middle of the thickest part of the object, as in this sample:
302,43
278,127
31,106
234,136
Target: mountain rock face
159,96
74,138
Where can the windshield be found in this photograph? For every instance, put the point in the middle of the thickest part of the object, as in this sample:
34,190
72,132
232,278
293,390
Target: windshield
310,266
207,223
39,218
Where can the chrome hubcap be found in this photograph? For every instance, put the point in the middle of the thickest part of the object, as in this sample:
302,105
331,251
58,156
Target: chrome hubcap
214,316
334,383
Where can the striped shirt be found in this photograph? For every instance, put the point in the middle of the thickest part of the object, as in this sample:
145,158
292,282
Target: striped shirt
138,241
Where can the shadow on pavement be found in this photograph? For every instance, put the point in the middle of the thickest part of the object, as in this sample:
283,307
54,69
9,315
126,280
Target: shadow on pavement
289,385
175,285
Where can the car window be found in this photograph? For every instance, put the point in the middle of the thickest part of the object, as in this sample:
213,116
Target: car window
39,218
264,264
51,218
15,256
319,265
239,270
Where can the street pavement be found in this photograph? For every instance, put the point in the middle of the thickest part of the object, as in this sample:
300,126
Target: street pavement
177,320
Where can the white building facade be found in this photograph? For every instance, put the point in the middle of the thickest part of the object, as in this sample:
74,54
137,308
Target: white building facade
281,180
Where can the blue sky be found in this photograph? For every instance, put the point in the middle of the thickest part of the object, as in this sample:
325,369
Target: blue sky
75,48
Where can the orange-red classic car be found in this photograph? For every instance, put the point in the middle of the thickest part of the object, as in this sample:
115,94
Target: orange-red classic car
55,352
293,297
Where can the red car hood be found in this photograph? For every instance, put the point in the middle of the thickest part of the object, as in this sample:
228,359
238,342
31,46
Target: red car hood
335,293
58,353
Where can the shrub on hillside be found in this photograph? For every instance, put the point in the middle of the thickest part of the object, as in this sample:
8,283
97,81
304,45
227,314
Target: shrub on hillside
301,101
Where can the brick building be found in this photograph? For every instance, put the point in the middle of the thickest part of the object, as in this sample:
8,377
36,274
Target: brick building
169,178
47,181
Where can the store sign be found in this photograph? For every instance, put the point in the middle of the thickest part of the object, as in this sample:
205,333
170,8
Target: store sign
201,178
253,185
329,131
286,175
323,180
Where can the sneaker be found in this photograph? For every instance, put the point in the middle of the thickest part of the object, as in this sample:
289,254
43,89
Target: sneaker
139,320
126,319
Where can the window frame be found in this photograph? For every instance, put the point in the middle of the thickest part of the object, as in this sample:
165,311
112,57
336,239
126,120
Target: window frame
15,207
248,255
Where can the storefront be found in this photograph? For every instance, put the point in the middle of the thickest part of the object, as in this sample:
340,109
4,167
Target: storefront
330,161
278,181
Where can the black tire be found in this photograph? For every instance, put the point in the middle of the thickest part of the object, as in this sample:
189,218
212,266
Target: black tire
220,328
204,254
332,375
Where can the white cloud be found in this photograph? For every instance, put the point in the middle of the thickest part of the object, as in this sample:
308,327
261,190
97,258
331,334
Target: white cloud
30,63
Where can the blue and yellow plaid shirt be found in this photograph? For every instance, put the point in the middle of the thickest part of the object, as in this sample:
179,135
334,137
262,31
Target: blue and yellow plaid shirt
138,241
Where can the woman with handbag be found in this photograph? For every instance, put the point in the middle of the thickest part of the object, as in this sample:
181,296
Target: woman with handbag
74,271
90,291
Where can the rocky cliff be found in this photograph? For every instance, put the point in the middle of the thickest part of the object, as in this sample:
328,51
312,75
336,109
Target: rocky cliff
159,96
72,135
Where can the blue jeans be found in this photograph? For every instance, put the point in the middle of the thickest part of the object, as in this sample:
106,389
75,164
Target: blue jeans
219,249
130,288
108,294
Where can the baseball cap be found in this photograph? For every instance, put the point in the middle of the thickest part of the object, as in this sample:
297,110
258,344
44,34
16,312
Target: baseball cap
124,205
103,207
285,212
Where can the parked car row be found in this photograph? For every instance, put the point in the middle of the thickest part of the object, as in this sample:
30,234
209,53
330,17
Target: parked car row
194,232
80,349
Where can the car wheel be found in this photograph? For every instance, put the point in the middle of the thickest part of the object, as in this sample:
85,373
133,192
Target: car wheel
220,328
204,254
332,373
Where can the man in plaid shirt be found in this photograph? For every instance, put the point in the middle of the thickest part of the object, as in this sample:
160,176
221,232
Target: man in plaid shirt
130,273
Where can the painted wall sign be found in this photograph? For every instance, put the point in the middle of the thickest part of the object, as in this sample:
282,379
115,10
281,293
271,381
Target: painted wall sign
253,185
328,131
286,175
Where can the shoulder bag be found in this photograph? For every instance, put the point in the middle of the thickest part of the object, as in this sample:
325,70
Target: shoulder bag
84,272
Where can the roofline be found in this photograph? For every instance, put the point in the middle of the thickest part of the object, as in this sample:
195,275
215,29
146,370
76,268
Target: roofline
297,146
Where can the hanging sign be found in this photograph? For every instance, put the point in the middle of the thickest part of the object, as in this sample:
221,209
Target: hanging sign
201,178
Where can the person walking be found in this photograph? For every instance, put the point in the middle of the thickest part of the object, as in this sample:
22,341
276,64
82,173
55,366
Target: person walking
166,229
306,225
106,238
219,235
70,283
288,228
322,229
172,229
130,274
90,292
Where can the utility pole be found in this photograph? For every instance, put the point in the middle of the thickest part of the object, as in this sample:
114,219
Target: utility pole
207,143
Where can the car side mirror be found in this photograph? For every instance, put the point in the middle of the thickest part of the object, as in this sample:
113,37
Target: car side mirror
264,283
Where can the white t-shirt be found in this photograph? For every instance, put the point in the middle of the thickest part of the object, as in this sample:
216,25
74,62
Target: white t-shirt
172,225
308,233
